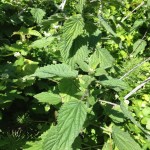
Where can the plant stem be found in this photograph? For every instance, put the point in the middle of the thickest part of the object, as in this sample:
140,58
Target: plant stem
137,88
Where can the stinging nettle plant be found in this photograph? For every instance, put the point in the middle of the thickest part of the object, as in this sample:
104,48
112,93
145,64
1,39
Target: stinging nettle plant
84,72
92,50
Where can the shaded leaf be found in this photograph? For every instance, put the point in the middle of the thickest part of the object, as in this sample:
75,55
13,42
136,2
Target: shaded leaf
68,86
37,145
73,27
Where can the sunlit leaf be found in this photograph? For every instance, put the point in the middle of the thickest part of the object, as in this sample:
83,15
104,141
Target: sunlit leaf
37,14
49,98
123,140
107,26
70,122
73,27
58,70
43,42
139,47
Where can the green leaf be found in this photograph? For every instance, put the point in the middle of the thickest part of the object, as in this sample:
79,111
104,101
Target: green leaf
115,113
53,19
70,122
115,83
123,140
68,86
148,3
107,26
33,32
43,42
37,145
94,60
139,47
128,114
73,27
100,71
137,24
46,97
105,58
50,140
37,14
108,145
80,5
79,51
58,70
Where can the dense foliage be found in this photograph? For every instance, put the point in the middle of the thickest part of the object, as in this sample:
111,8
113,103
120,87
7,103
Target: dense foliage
74,74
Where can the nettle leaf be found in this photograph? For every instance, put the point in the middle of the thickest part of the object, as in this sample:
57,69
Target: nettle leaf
105,58
128,114
79,52
114,83
57,70
68,86
71,118
107,26
80,5
50,140
37,14
53,19
37,145
73,27
115,113
47,97
108,145
123,140
94,60
139,47
137,24
43,42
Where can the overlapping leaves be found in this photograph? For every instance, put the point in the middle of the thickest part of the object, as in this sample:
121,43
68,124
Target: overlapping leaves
73,27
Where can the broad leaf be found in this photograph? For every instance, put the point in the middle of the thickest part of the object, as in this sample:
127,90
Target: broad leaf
123,140
70,122
46,97
128,114
37,145
139,47
58,70
53,19
73,27
43,42
137,24
37,14
80,5
50,140
115,83
106,60
107,26
68,86
79,52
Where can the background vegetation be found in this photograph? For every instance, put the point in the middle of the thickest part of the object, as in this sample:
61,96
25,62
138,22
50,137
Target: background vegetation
74,74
